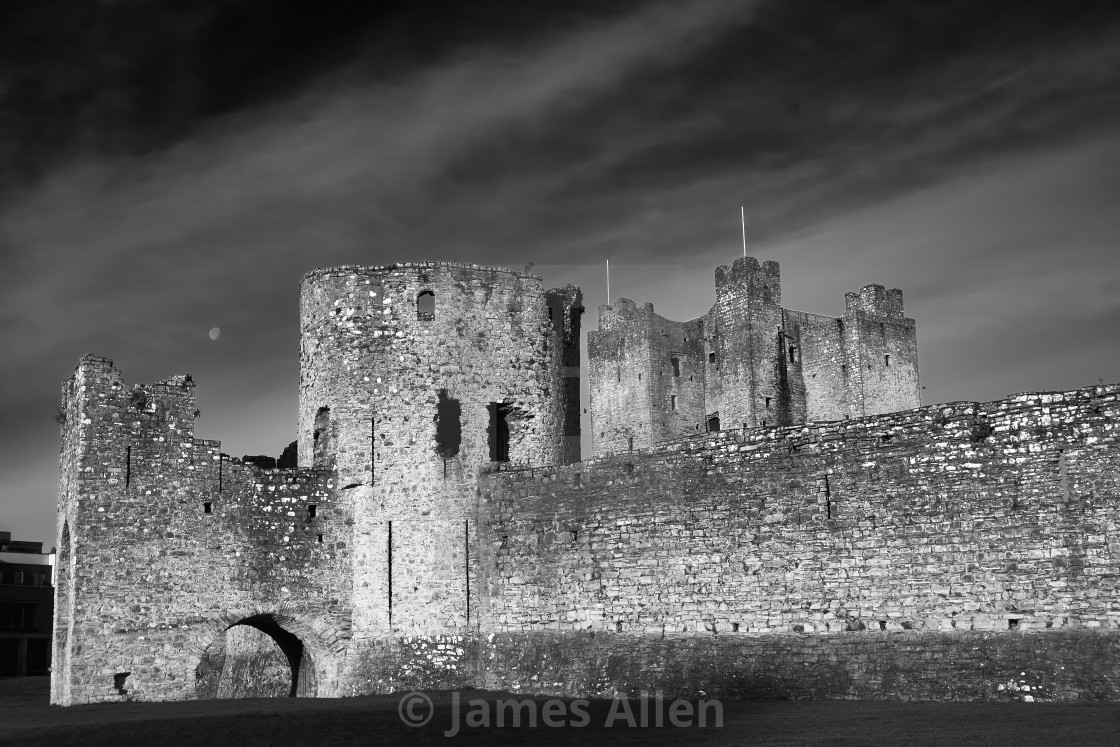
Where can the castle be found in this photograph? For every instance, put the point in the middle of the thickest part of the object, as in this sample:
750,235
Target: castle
748,362
771,527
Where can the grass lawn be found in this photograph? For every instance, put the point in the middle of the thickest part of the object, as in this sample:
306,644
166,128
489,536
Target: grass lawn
26,718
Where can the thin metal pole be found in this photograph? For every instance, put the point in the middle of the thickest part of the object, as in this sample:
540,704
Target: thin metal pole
608,282
743,216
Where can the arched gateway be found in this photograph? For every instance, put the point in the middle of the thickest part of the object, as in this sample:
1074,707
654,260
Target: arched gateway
265,654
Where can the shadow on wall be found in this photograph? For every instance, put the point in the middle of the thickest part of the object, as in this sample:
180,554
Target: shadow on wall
255,658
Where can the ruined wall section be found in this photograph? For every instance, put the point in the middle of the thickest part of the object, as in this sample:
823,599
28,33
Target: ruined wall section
620,359
387,367
881,350
171,543
824,369
677,377
965,517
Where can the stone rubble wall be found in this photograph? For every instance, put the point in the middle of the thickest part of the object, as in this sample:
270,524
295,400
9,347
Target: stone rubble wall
939,521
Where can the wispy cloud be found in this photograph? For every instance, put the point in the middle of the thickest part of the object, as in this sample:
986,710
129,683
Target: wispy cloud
953,169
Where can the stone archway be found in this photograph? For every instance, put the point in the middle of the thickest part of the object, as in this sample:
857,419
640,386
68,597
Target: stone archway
255,656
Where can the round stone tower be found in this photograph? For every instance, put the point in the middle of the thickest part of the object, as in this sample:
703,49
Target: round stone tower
413,377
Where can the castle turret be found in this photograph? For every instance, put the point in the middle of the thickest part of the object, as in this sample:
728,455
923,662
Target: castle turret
749,384
413,377
880,353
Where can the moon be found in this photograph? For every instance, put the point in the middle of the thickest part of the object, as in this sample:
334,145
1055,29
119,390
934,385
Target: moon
215,333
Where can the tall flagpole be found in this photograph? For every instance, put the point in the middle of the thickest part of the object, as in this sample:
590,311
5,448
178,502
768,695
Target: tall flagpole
743,214
608,282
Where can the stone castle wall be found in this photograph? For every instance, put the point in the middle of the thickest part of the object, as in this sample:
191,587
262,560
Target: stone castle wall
168,542
748,362
941,525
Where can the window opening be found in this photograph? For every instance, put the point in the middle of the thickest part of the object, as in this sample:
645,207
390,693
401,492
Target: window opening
206,508
767,403
498,432
630,443
711,357
673,401
426,306
887,360
713,423
311,510
792,354
676,365
449,426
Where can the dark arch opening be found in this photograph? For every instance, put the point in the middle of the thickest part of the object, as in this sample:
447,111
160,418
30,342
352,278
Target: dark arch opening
289,643
426,306
252,669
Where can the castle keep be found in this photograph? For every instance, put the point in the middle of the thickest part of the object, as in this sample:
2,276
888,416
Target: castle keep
440,530
748,362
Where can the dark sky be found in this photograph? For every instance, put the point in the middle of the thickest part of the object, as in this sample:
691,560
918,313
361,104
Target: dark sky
171,167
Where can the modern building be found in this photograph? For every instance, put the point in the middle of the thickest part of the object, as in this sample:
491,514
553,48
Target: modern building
26,607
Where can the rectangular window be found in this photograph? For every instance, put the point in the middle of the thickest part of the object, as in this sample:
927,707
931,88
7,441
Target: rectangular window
673,401
498,432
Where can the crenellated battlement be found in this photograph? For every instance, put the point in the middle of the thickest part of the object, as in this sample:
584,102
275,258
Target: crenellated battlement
875,299
761,283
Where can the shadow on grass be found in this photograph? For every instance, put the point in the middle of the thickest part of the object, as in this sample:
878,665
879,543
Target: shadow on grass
26,718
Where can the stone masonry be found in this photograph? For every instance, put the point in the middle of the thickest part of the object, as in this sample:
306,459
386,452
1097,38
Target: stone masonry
440,530
747,362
